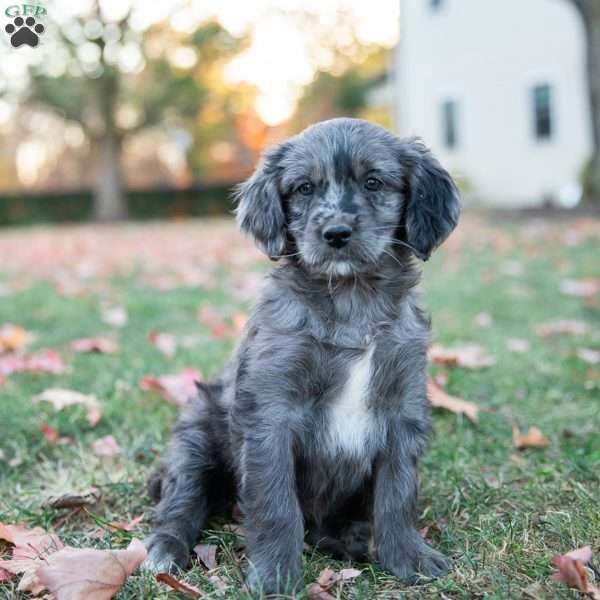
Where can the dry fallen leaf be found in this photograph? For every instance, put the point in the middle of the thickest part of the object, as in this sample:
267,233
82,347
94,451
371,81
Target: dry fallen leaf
348,574
470,356
572,572
534,438
99,575
99,345
440,399
30,547
28,542
207,553
179,586
47,361
177,389
12,338
106,446
60,398
164,342
87,497
582,288
518,345
327,579
50,433
127,526
115,316
589,356
563,327
316,592
583,554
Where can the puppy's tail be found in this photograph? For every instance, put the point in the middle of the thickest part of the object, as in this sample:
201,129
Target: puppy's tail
208,398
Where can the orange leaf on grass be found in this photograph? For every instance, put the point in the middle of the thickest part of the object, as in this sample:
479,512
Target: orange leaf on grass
52,436
100,345
12,338
177,389
30,548
470,356
440,399
127,526
534,438
47,361
572,572
99,574
30,542
179,586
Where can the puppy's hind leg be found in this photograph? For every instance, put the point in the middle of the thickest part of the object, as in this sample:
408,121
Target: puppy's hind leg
184,492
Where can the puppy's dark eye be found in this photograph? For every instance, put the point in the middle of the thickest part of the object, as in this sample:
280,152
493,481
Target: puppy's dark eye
373,184
306,189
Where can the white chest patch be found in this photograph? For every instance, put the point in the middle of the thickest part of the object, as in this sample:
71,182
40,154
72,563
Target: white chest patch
351,425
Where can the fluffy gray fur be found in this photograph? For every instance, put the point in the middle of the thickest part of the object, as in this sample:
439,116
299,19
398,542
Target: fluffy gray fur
266,433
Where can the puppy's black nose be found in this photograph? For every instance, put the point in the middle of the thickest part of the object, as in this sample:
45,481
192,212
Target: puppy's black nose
337,236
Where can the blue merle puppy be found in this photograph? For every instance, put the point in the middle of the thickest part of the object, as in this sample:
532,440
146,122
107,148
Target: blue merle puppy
318,423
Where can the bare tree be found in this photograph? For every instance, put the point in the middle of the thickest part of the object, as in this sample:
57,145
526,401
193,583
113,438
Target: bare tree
96,86
590,14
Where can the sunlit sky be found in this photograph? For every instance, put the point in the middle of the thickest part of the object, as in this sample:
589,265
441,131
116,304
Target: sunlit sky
282,56
279,61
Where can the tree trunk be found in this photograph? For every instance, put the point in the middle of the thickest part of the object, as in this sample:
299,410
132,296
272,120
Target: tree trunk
590,13
110,203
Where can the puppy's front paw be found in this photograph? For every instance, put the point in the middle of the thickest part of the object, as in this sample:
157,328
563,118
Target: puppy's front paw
419,562
432,563
166,553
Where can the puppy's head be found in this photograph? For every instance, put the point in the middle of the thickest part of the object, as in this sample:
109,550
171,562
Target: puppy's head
343,194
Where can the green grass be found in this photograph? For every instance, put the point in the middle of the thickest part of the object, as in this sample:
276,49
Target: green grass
499,512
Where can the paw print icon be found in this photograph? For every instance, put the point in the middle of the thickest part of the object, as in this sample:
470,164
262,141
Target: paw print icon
24,31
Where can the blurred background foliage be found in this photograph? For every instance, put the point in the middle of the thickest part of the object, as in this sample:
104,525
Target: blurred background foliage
134,109
110,106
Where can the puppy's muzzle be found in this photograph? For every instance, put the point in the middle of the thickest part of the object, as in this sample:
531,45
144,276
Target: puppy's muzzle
337,236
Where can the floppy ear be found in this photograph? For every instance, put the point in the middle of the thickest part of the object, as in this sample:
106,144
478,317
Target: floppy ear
260,210
433,199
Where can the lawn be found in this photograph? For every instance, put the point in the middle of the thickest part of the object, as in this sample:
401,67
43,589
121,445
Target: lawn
500,512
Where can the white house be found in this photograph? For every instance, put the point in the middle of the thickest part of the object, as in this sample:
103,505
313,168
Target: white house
498,89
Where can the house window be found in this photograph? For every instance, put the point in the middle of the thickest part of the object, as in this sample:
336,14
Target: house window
436,5
543,126
450,124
